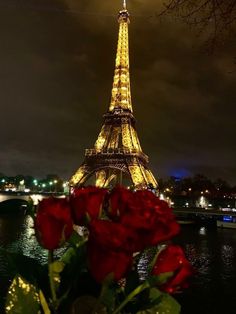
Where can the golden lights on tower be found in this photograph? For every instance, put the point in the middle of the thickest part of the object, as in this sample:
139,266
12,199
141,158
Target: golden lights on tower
117,149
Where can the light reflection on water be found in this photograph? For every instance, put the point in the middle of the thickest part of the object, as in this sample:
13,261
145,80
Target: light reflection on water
17,235
212,253
28,244
210,250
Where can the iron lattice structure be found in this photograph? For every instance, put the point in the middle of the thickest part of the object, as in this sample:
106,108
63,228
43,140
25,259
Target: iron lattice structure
117,152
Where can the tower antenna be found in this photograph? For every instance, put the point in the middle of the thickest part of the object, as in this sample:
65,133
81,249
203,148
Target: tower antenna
124,4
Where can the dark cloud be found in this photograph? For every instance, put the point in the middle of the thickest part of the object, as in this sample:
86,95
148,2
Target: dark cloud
56,68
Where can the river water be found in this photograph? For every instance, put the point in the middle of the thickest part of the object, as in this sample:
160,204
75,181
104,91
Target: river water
212,252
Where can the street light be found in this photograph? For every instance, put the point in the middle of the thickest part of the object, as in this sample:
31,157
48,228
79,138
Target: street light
50,183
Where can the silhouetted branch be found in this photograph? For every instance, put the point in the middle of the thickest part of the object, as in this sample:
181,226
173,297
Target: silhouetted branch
214,18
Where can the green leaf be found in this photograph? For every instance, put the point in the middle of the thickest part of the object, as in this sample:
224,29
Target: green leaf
155,294
166,305
68,255
26,267
163,278
22,297
152,281
88,305
159,280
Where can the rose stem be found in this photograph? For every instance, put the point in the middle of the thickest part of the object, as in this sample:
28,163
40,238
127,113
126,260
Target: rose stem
136,291
51,280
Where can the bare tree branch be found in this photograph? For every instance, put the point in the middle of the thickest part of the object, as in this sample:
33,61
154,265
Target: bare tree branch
213,18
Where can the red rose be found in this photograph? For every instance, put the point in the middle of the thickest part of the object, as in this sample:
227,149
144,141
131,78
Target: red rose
110,249
172,259
87,201
53,222
103,262
119,200
143,212
113,236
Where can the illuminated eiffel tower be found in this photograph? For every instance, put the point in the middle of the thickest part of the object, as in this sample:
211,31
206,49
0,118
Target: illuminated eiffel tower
117,155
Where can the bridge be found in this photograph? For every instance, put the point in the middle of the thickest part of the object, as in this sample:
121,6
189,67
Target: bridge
26,196
203,216
18,201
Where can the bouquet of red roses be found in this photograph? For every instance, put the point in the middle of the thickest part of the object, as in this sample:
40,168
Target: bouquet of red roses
105,235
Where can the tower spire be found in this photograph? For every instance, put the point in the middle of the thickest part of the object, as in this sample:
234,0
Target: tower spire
121,95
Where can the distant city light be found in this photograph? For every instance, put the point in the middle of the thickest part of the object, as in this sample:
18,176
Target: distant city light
202,231
36,198
162,197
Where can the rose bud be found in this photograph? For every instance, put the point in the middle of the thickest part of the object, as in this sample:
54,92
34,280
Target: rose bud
53,222
172,259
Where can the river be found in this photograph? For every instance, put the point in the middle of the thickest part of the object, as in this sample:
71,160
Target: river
212,252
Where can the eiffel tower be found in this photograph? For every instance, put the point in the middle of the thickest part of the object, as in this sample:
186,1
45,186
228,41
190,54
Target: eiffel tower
117,154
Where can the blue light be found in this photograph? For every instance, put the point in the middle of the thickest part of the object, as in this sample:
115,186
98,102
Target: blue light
228,218
180,174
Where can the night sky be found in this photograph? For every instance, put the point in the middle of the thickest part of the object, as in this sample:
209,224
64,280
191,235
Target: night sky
56,69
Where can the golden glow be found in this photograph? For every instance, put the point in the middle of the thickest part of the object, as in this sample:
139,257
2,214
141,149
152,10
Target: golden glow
114,138
136,175
110,178
102,137
150,178
135,139
100,178
79,176
121,95
126,136
18,292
